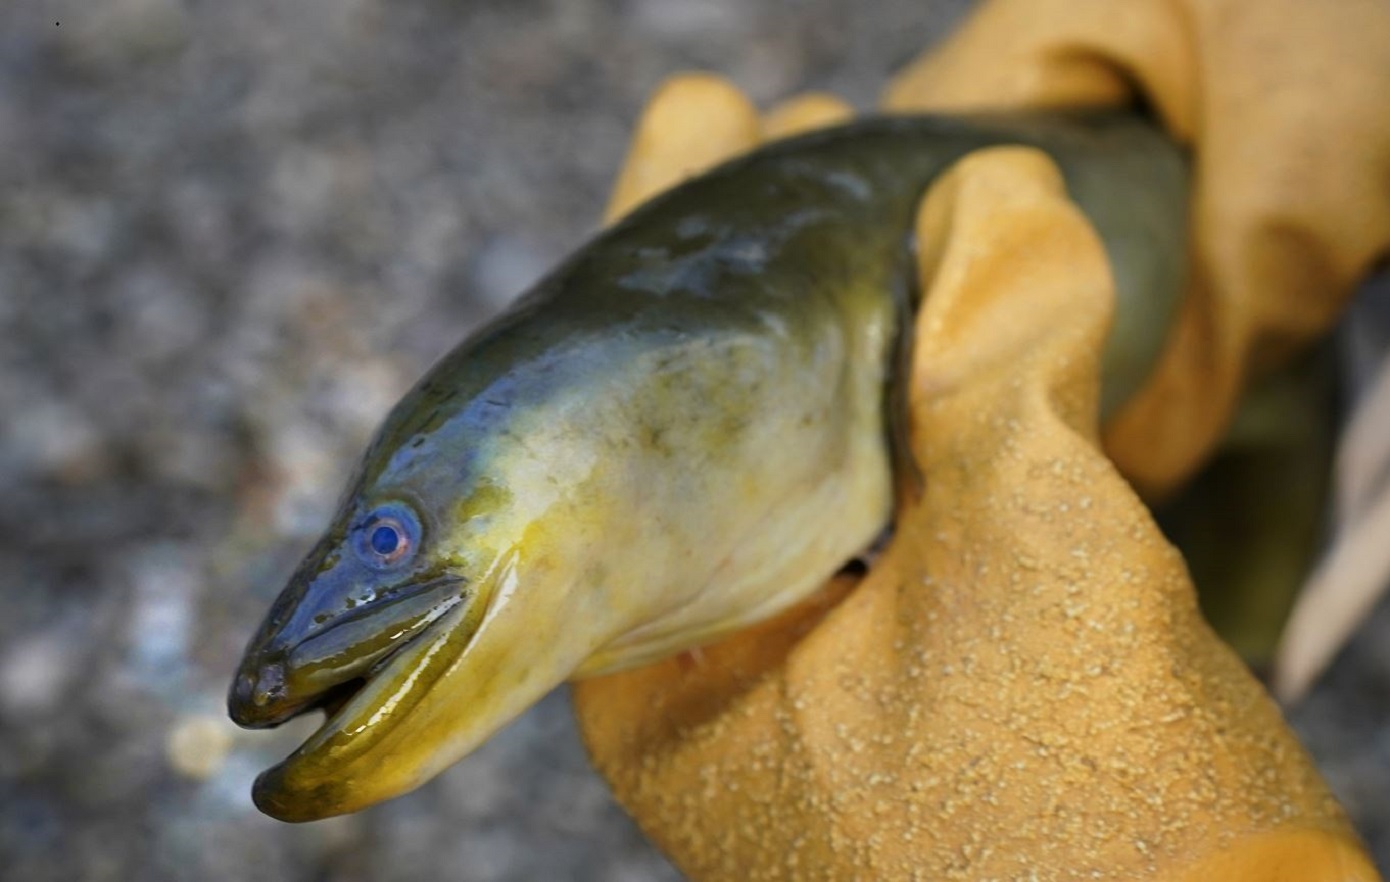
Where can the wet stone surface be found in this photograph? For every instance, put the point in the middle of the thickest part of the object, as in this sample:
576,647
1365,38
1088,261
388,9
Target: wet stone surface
230,236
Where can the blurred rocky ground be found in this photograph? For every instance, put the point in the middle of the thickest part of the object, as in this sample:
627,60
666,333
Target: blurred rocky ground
231,234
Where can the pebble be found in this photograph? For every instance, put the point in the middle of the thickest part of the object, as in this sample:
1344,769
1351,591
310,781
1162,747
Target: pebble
198,745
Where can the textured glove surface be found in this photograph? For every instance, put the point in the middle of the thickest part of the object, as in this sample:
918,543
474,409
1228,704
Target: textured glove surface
1022,686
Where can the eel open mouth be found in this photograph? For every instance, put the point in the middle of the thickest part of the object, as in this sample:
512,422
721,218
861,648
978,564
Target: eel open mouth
411,683
364,671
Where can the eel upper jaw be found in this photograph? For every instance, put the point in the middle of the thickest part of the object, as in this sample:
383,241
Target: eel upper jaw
281,678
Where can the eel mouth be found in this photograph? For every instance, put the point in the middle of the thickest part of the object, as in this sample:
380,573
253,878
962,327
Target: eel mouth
358,749
335,698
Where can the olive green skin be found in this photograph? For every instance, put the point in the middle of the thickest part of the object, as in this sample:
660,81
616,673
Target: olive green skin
683,429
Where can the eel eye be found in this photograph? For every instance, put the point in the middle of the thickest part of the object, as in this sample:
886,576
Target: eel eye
387,537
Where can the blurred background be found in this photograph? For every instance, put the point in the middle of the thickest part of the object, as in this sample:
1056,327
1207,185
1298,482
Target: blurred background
231,234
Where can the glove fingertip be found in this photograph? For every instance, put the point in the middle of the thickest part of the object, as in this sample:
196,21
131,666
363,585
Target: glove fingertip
692,122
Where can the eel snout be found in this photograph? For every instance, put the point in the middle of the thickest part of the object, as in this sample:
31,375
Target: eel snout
288,674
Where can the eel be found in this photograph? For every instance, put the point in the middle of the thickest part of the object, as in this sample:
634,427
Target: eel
685,428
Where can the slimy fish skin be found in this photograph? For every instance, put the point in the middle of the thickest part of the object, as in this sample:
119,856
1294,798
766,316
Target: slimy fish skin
685,428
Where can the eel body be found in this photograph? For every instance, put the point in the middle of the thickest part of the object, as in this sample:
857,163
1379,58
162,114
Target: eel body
683,429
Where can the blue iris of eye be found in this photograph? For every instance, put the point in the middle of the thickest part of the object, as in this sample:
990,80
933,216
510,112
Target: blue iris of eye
388,537
385,539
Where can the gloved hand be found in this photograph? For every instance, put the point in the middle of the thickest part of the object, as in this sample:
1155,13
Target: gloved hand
1022,684
1285,105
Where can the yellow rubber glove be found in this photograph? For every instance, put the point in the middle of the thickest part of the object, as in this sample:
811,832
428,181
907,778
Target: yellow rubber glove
1022,687
697,121
1287,106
